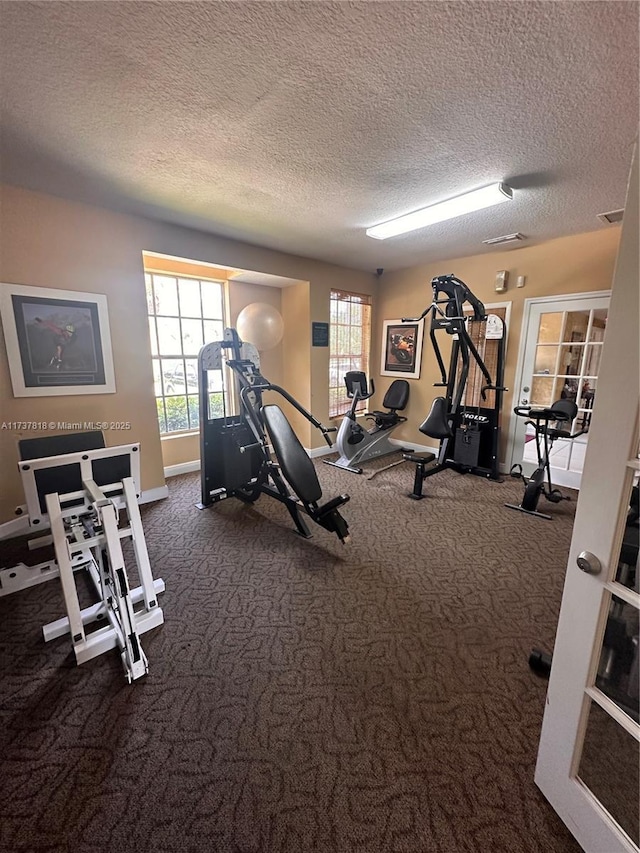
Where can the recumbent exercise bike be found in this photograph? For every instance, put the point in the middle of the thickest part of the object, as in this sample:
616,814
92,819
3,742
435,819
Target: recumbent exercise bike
356,444
560,413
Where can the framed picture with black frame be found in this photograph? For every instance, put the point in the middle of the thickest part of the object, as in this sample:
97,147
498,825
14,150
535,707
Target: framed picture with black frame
401,348
58,341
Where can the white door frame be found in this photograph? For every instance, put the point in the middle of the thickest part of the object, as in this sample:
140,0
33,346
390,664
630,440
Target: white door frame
598,528
517,385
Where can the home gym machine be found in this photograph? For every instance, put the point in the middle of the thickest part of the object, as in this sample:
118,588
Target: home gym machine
356,444
87,495
467,420
234,449
562,412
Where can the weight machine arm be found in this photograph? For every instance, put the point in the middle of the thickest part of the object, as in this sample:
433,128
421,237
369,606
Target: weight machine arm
452,319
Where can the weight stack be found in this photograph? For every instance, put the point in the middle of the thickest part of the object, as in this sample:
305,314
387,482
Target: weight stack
467,447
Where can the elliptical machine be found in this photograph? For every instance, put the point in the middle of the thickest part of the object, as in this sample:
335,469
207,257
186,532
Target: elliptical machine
356,444
561,412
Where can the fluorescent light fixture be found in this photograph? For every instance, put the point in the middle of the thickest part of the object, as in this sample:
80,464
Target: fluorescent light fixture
467,203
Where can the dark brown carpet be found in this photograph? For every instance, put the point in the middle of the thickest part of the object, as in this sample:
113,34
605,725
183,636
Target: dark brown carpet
302,696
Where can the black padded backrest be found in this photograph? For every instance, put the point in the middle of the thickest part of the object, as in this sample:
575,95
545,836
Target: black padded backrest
67,478
567,409
397,396
296,466
57,445
436,425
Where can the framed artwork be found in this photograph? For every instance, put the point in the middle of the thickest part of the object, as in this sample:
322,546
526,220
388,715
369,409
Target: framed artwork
401,348
58,341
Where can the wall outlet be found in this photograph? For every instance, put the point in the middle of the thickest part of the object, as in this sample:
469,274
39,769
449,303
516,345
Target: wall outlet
502,279
521,280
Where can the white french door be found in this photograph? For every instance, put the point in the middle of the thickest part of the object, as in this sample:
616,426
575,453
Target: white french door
588,759
563,342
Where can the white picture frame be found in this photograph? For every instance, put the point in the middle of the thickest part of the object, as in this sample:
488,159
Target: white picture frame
401,353
58,341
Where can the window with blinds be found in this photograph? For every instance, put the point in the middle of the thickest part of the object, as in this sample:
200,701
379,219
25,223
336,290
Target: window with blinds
349,344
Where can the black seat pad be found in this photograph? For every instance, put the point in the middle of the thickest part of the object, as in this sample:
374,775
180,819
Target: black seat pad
296,466
436,426
387,418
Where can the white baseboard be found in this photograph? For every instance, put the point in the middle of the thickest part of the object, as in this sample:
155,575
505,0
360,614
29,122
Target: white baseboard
321,451
182,468
411,445
151,495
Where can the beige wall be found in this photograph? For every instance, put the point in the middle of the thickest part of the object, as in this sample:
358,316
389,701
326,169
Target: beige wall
51,242
567,265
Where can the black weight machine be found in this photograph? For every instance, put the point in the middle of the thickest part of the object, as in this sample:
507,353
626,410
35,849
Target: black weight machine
561,413
466,420
234,449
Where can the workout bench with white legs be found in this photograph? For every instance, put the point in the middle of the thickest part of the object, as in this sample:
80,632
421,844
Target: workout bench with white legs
77,487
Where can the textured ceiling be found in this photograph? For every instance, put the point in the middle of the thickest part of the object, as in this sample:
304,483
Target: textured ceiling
298,125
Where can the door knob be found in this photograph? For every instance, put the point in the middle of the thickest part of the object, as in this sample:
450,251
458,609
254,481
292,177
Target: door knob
589,563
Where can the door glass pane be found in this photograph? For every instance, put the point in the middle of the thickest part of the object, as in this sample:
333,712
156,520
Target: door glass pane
576,326
570,363
592,361
618,671
609,768
550,330
546,357
568,388
587,394
542,391
627,569
599,324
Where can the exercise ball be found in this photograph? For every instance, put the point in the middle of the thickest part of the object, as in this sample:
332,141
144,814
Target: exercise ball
261,325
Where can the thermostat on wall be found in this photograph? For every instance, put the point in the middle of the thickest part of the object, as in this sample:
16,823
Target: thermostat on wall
502,278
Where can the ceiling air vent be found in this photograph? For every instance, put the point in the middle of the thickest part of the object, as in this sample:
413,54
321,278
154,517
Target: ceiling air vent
612,217
506,238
